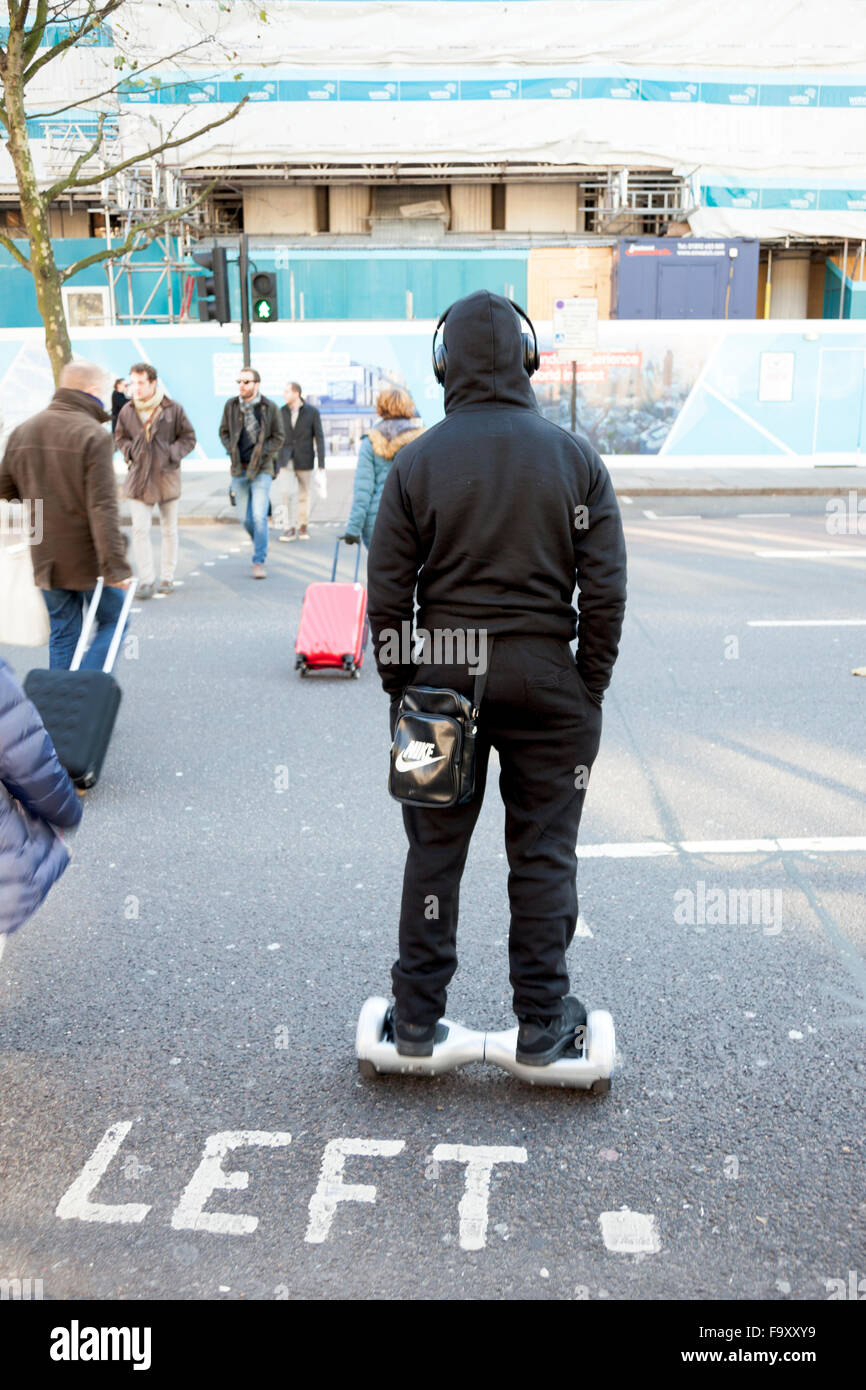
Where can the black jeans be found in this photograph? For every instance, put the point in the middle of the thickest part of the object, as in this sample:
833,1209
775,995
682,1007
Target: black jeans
546,728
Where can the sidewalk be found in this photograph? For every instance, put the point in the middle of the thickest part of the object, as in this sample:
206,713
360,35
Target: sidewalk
205,496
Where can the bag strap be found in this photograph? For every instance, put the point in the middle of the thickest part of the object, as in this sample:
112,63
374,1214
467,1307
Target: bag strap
481,683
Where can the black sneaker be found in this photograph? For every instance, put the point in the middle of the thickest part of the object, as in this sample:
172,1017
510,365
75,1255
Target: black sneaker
542,1040
413,1039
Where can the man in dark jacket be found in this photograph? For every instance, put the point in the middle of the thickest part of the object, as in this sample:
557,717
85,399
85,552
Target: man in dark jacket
302,427
61,459
252,436
153,433
491,517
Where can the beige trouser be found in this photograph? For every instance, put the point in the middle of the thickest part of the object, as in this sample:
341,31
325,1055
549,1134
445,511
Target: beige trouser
296,486
142,548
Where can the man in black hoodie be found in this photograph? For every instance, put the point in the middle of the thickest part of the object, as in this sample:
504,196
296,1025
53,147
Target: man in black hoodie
489,519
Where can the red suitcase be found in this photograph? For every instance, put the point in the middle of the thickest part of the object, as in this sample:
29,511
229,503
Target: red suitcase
333,630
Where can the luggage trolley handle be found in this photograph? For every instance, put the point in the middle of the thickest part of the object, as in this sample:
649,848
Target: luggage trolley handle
337,555
90,618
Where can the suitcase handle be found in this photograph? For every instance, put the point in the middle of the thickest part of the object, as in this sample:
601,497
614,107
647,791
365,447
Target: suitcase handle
90,618
337,555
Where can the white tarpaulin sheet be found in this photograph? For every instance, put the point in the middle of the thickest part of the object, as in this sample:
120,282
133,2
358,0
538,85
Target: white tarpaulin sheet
763,107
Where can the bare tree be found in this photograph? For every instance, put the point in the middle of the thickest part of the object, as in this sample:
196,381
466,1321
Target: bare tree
41,32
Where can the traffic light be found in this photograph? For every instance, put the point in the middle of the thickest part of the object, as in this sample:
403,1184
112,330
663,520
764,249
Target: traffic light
264,297
213,289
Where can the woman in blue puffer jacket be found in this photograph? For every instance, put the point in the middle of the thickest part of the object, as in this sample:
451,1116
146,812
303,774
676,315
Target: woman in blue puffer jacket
397,426
37,800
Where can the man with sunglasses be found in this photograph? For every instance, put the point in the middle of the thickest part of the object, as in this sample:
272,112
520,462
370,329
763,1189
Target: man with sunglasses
252,435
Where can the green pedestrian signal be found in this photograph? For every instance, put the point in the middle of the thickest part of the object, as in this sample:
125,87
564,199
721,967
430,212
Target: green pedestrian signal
264,296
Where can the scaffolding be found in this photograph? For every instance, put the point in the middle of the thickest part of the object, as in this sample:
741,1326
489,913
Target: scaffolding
135,194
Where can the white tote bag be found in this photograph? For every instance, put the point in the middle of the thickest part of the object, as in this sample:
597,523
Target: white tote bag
24,618
321,482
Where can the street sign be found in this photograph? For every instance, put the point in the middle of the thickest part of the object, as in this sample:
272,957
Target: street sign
575,328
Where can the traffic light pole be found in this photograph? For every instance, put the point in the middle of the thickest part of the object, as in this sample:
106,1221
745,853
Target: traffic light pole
243,266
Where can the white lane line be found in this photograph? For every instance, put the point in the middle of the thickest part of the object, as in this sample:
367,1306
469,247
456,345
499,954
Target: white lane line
840,553
751,516
649,849
583,928
656,849
210,1177
76,1204
332,1189
630,1232
806,622
480,1161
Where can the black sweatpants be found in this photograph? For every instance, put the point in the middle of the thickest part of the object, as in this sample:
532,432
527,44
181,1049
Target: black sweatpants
546,728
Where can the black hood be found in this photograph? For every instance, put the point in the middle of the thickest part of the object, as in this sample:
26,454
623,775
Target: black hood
482,334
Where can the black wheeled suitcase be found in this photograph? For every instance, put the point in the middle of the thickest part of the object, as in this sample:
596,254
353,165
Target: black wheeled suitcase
78,708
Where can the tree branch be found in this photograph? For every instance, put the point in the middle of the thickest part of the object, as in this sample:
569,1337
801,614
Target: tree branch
49,194
165,218
87,26
109,91
31,41
10,246
159,149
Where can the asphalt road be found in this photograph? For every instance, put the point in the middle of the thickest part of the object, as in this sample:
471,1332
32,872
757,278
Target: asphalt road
233,899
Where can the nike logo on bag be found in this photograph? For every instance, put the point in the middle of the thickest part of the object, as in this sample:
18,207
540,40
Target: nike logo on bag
417,754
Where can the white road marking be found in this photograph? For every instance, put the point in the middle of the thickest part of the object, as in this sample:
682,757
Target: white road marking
331,1188
839,553
189,1214
630,1233
655,849
210,563
806,622
582,928
652,516
75,1204
480,1161
751,516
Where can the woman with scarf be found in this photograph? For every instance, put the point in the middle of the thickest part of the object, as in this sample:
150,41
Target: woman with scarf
153,434
397,426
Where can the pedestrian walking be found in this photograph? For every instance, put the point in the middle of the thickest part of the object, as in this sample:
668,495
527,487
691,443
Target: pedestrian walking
490,518
37,801
252,435
153,433
396,427
119,397
61,459
304,437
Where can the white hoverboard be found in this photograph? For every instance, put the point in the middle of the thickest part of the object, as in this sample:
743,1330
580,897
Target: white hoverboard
591,1070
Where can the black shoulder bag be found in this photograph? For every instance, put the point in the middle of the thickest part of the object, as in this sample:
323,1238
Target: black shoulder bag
433,749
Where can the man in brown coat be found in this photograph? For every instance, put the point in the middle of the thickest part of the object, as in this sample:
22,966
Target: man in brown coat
61,461
153,434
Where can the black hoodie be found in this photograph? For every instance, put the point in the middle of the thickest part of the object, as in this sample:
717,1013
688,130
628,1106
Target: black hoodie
496,512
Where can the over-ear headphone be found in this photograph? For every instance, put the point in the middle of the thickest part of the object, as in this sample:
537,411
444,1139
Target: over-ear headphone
529,346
